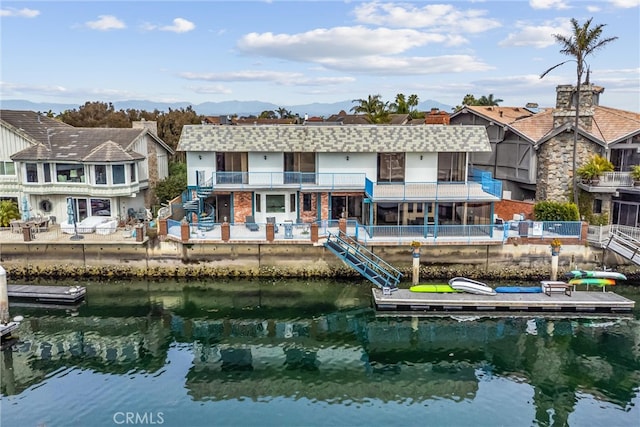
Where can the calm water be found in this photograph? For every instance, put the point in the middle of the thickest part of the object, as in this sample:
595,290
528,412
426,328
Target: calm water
306,354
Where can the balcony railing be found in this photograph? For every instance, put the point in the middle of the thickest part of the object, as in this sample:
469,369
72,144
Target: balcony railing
608,182
487,189
290,180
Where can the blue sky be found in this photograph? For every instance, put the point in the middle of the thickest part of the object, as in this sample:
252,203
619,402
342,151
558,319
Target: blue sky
298,52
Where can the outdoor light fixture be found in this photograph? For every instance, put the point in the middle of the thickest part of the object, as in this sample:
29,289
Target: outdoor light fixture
265,157
200,156
347,158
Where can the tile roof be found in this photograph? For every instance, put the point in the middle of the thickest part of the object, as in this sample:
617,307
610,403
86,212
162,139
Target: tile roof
497,114
54,140
334,138
609,125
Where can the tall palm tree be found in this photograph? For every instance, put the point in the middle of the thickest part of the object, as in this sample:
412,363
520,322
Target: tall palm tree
583,41
373,108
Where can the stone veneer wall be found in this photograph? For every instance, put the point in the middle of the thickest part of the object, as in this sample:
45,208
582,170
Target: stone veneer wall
555,156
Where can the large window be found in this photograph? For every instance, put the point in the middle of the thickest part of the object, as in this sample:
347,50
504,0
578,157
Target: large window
391,167
118,174
132,172
300,167
231,168
275,203
100,207
66,172
452,166
7,168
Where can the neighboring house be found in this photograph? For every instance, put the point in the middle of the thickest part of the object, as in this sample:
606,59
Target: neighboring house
511,159
375,174
106,171
533,152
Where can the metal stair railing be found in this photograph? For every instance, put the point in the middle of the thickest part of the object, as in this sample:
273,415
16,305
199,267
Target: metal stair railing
625,245
368,264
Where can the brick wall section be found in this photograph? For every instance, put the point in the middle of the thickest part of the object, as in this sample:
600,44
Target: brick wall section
325,206
505,209
312,215
242,205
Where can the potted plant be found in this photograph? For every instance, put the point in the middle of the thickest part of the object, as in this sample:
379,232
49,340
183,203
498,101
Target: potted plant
635,175
556,244
591,171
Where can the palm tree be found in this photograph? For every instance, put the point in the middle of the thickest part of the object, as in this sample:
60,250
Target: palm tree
373,108
489,101
400,106
582,42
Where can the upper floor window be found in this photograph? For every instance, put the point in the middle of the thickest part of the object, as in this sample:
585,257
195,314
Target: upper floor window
67,172
47,172
132,172
7,168
390,167
300,167
118,174
101,174
452,166
231,168
32,172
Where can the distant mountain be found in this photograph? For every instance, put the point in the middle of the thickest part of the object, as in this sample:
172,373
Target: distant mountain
241,108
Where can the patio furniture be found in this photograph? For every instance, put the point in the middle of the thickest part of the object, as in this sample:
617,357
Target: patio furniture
250,223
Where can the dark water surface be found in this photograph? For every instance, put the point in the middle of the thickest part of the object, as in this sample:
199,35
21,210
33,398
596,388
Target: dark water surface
293,353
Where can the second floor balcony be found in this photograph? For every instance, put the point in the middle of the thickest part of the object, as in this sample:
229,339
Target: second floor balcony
81,189
280,180
608,182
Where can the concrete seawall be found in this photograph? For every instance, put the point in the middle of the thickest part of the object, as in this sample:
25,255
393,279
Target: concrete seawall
154,258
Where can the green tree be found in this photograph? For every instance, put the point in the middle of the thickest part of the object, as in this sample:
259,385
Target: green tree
400,106
268,114
374,109
583,41
488,101
8,212
174,184
284,113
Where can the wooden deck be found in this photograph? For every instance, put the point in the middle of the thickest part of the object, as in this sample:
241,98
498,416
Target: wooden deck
47,294
578,302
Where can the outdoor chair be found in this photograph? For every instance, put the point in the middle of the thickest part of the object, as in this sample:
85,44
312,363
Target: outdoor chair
250,223
272,220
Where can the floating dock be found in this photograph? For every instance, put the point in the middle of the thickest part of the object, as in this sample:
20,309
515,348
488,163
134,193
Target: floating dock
403,300
5,330
47,294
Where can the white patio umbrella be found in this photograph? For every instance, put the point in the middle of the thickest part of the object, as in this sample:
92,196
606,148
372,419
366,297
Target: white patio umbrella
25,209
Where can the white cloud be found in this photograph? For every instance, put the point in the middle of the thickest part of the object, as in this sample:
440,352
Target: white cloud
322,45
593,9
20,13
439,17
180,25
210,90
398,66
105,23
538,36
625,4
548,4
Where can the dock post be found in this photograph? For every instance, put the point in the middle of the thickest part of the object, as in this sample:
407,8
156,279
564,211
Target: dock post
416,261
555,253
4,297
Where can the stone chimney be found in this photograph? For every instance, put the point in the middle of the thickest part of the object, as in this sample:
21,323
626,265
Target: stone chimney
436,117
151,126
565,104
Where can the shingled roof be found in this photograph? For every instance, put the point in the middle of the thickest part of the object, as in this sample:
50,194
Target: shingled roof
334,138
56,141
31,125
609,125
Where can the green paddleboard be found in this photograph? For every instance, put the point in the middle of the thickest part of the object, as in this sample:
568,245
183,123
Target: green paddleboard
432,288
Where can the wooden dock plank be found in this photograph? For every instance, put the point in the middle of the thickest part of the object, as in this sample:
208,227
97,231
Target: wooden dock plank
578,301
